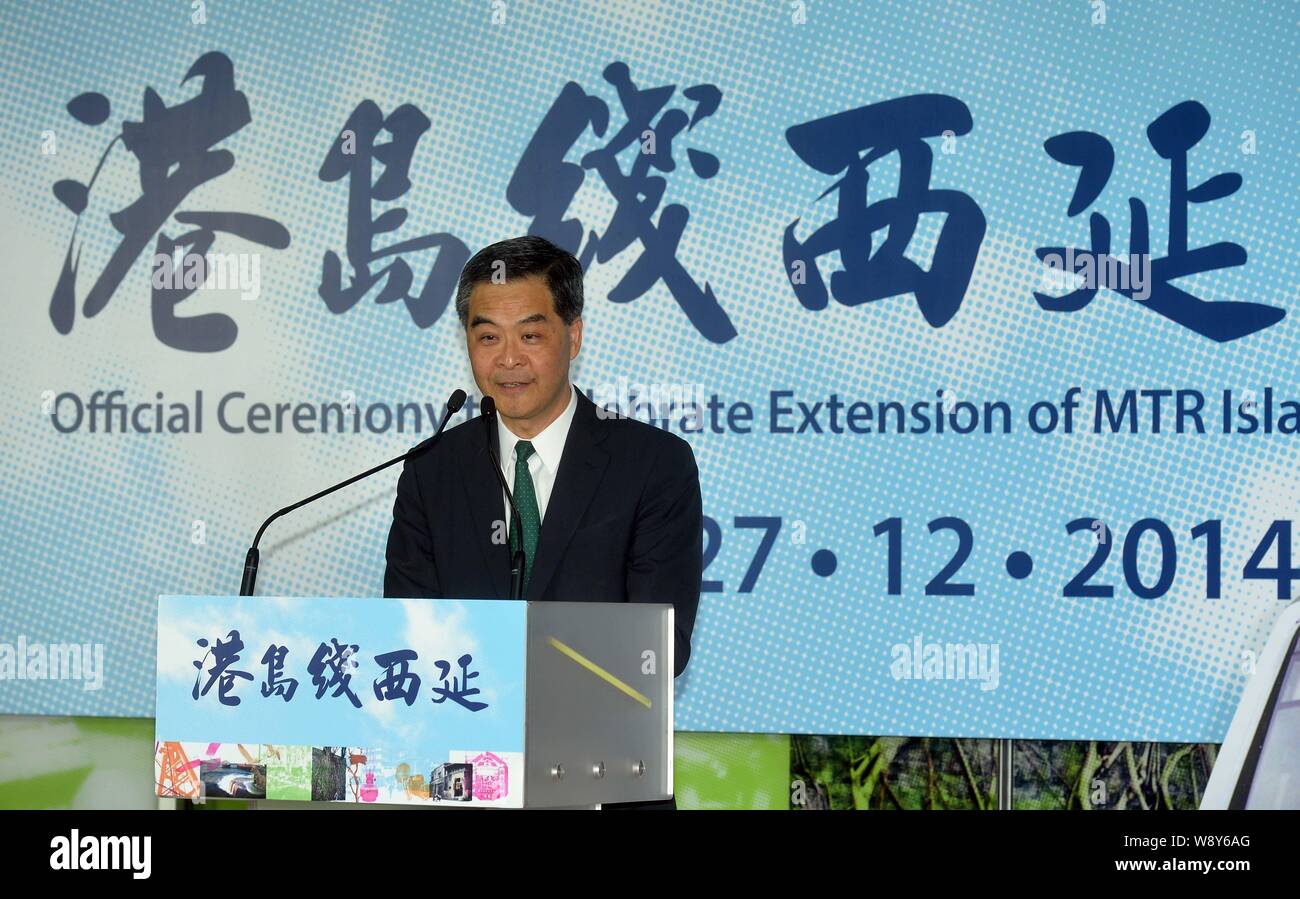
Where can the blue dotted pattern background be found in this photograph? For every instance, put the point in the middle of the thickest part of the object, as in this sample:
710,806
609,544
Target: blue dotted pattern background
97,525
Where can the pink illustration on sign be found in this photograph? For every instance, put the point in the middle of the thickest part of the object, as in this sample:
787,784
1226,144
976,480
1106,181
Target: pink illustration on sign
491,776
370,792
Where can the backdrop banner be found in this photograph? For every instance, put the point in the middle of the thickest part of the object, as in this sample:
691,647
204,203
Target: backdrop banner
977,315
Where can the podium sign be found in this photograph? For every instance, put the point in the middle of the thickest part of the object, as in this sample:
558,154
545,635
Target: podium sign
413,701
341,700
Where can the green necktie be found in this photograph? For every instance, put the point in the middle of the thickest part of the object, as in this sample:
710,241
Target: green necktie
530,519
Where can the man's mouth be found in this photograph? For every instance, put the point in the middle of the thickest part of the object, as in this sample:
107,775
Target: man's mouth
513,385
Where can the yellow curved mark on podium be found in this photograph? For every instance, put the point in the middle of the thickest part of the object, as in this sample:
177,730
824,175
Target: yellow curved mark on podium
599,672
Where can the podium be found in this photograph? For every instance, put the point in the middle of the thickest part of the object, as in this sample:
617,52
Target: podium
443,703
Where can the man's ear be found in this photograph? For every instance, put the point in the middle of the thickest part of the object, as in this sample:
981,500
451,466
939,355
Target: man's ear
575,338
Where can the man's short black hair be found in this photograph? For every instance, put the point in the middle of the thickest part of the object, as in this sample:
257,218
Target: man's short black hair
522,257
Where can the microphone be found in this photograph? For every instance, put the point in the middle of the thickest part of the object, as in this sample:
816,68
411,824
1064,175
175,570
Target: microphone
489,407
454,402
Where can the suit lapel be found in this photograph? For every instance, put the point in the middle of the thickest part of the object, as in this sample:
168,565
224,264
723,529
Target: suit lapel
581,468
487,505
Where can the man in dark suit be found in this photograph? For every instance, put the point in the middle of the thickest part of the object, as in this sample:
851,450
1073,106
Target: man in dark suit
609,507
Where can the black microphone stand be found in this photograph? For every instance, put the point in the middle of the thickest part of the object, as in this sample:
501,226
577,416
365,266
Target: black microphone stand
454,402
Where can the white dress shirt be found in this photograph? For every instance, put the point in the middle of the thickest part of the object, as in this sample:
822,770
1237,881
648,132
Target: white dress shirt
544,463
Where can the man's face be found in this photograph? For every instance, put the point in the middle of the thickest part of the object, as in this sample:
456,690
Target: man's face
520,350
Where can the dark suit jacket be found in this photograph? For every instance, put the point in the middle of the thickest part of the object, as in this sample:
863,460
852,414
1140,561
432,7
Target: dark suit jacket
623,523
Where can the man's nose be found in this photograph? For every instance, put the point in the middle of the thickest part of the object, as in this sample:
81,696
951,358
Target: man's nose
511,354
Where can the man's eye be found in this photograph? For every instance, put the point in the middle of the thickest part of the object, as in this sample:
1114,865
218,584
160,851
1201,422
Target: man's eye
531,336
484,338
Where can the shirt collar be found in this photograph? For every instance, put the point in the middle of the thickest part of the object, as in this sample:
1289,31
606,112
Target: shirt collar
548,445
